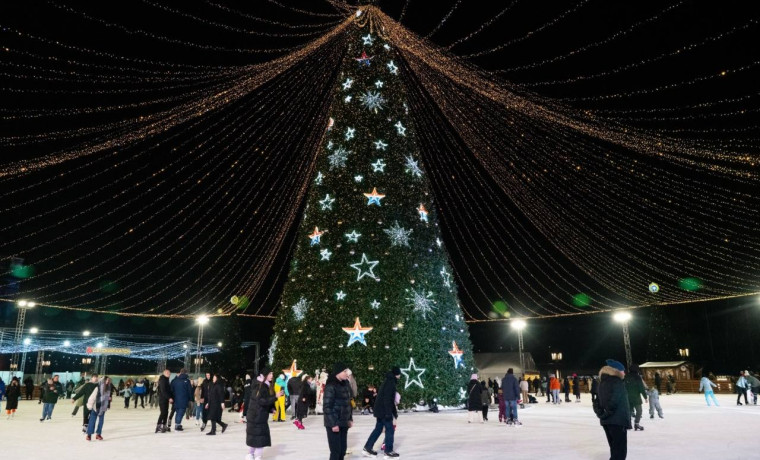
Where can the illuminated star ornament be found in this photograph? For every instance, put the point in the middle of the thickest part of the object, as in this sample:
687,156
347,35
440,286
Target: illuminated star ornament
364,59
315,236
400,129
462,394
423,213
374,197
371,264
378,166
319,178
380,145
375,304
325,253
347,84
416,373
327,202
350,133
340,295
356,333
387,47
347,99
292,371
456,353
358,178
392,68
379,84
367,39
353,237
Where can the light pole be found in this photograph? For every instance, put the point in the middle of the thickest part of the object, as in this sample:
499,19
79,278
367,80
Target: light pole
519,325
624,317
556,358
202,321
23,306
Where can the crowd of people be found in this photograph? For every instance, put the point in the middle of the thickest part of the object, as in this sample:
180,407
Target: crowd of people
617,397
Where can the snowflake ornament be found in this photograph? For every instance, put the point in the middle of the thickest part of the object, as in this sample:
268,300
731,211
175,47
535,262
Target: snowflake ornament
373,101
300,308
338,158
421,302
399,236
413,167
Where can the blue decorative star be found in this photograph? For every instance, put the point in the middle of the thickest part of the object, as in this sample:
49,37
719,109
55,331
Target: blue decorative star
378,166
327,202
375,304
315,236
370,263
347,84
367,39
416,371
358,178
400,128
392,68
380,145
364,59
353,237
340,295
379,84
374,197
325,253
350,133
356,333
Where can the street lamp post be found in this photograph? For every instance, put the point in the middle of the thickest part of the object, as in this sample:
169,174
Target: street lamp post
23,306
556,358
624,317
202,321
519,325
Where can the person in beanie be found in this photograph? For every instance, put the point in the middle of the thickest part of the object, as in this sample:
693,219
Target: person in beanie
474,406
165,397
336,405
612,408
634,384
385,412
511,392
259,406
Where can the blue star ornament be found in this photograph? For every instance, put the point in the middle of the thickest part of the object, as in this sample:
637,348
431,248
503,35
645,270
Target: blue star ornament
378,166
340,295
356,333
374,197
416,373
315,236
371,264
367,39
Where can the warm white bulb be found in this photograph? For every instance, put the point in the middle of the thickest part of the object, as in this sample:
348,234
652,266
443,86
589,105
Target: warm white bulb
622,317
518,324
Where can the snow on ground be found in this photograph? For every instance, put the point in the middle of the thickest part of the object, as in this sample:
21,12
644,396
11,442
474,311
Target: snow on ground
690,430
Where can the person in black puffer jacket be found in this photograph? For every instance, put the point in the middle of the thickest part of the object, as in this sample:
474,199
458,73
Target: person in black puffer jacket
336,405
385,412
611,406
259,406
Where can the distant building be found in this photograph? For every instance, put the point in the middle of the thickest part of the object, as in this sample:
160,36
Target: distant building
495,365
681,370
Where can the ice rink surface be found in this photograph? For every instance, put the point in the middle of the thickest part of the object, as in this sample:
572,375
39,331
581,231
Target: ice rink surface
690,430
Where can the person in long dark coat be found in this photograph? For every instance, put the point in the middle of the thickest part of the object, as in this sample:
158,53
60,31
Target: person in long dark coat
304,398
12,395
474,404
336,405
577,388
613,409
215,405
260,405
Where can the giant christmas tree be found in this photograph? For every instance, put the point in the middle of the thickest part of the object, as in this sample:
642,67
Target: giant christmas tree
370,282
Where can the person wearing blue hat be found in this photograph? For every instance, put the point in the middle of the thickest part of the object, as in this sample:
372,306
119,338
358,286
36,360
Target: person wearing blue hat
611,406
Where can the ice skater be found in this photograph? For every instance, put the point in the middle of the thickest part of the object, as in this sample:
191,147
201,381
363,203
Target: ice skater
473,400
511,394
385,413
706,385
634,384
741,389
260,404
502,406
613,409
654,402
12,395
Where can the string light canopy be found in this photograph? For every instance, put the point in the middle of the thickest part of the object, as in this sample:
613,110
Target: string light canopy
163,178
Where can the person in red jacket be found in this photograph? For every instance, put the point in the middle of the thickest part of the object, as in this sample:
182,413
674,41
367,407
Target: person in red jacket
554,388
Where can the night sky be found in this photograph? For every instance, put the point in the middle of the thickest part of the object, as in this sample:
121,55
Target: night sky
722,334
